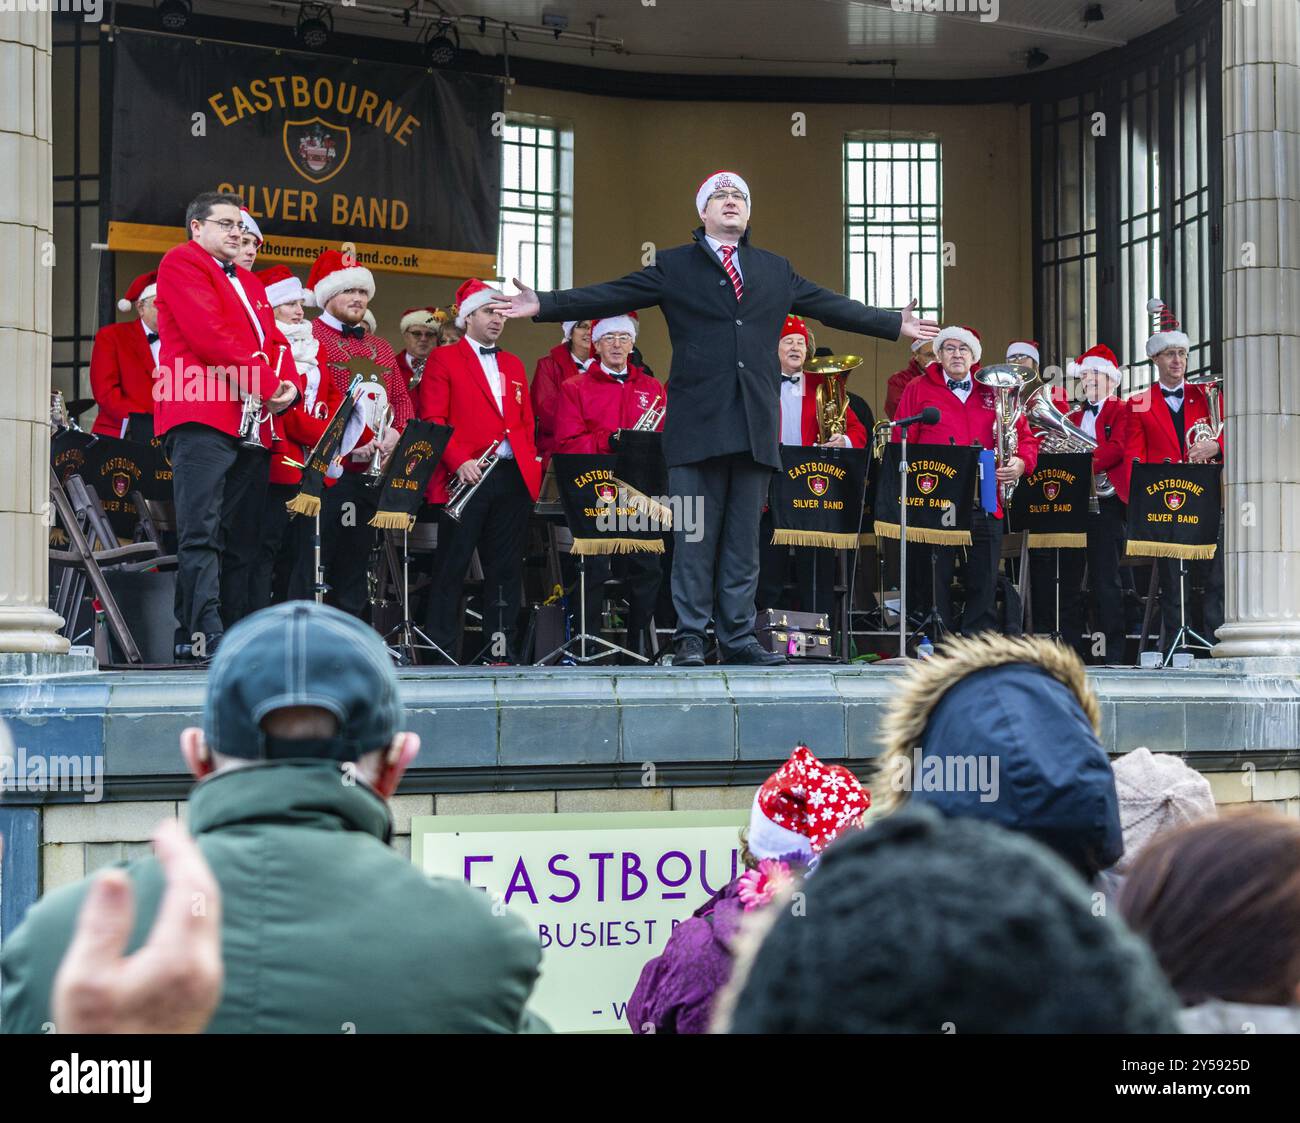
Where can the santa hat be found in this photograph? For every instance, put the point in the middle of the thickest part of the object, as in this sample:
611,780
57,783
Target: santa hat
968,336
803,807
1027,348
1167,330
1100,358
720,181
569,325
368,317
333,274
142,288
917,344
626,322
471,296
795,326
281,285
429,317
250,224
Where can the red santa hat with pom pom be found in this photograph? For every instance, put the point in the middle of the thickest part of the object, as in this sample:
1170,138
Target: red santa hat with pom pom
471,296
333,273
1100,358
142,288
803,807
1167,330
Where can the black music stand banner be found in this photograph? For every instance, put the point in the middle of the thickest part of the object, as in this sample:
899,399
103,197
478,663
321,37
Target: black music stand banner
641,471
158,488
1173,510
407,473
940,493
1051,506
307,501
816,498
599,512
110,467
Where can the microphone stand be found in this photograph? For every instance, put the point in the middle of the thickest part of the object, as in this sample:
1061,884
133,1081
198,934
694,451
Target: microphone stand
902,544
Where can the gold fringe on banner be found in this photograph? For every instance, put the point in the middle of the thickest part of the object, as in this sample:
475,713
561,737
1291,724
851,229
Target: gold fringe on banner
591,546
1057,541
651,508
866,539
1169,550
304,504
814,538
926,535
392,520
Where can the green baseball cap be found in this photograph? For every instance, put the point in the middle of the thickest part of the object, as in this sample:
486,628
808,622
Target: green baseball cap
301,654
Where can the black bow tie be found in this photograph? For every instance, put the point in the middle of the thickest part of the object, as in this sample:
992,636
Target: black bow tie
1172,393
618,376
963,385
1093,408
228,268
792,378
152,337
488,350
353,331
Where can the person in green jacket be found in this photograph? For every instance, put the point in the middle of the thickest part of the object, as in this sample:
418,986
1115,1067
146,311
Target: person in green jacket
324,928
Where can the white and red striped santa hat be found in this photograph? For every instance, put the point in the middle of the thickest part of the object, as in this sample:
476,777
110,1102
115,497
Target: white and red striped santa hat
471,296
142,288
720,181
250,224
1100,358
427,317
968,336
333,273
281,285
627,322
803,807
1168,331
1025,347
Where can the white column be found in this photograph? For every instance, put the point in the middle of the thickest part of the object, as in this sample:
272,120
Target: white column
26,240
1261,329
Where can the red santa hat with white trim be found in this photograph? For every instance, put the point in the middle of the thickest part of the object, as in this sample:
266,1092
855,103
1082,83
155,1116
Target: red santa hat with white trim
250,224
795,326
333,273
281,285
968,336
627,322
142,288
803,807
428,317
720,181
471,296
1100,358
1167,330
1024,347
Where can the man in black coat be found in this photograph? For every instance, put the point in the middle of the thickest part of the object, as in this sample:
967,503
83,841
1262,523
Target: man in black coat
725,301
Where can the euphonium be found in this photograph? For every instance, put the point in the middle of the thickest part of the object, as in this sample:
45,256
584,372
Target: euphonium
1060,434
1212,429
459,493
1007,381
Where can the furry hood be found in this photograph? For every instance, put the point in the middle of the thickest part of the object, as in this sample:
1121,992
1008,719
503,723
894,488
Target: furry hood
1021,710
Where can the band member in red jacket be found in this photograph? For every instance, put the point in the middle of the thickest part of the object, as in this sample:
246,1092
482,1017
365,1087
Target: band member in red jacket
613,394
1105,417
220,345
482,392
814,566
123,359
966,412
922,357
421,329
564,361
1162,416
343,290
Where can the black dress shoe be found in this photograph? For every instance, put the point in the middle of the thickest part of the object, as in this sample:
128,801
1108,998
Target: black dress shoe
755,655
689,652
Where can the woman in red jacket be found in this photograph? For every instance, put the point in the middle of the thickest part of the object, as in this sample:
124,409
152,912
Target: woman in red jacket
564,361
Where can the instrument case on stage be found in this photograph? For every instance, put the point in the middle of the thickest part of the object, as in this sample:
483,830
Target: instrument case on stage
802,637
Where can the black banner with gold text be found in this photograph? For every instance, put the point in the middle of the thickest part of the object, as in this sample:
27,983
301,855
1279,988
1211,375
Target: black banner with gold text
940,493
816,497
1052,504
407,473
1173,510
599,512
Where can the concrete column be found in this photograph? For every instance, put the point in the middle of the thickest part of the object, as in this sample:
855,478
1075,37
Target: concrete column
1261,330
26,244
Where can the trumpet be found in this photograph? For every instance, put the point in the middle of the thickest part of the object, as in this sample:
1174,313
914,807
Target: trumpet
649,421
460,493
1008,383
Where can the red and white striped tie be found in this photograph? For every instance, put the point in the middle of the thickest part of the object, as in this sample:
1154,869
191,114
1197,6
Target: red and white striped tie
730,266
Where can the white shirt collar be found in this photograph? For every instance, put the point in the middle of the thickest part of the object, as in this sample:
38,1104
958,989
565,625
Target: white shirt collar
621,375
331,321
716,246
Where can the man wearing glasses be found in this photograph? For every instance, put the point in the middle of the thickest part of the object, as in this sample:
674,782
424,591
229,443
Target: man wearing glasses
966,417
421,329
725,301
219,344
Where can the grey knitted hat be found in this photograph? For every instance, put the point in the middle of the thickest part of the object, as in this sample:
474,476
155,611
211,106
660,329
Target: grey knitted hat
1157,792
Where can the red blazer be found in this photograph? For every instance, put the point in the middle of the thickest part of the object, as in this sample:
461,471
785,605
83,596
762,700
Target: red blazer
898,382
1152,437
966,423
408,371
553,371
856,431
454,391
1110,455
203,325
593,406
121,374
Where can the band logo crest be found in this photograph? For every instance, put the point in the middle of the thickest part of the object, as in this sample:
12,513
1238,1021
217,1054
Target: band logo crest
1052,488
818,484
317,149
1175,499
927,482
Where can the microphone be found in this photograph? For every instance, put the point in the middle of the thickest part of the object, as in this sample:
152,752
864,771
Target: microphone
928,416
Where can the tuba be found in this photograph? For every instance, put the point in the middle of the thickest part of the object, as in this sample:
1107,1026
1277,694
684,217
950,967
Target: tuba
1010,385
1060,434
1212,429
832,397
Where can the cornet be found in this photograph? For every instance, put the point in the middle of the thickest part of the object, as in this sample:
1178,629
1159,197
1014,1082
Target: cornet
648,422
459,493
374,473
253,416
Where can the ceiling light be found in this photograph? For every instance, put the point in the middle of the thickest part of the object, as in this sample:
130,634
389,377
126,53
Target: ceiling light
173,15
1035,58
315,26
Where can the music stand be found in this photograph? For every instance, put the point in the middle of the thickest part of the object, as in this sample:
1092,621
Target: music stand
932,617
1183,630
406,628
584,637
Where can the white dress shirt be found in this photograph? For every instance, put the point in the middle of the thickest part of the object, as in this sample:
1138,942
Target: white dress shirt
497,385
716,247
156,345
1088,420
243,296
792,412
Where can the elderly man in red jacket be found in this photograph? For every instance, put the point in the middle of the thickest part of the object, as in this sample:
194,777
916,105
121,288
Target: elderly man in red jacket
220,345
966,417
124,357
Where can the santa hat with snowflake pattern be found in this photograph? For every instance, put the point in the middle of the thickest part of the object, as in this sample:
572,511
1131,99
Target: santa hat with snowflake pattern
803,807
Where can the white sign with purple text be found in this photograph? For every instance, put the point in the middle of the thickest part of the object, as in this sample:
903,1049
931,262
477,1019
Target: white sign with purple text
602,890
